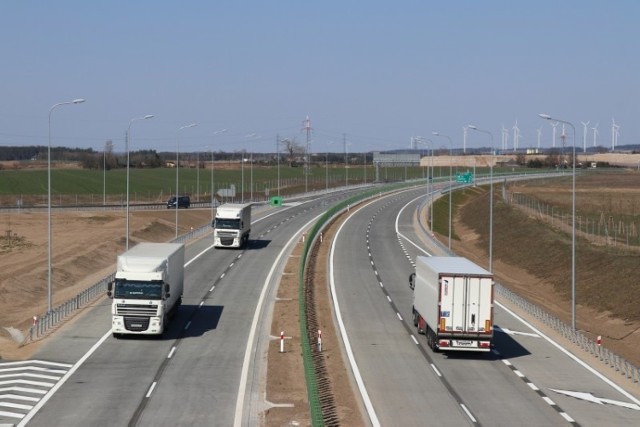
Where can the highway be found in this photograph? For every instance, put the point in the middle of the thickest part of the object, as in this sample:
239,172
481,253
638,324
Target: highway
190,376
526,380
206,369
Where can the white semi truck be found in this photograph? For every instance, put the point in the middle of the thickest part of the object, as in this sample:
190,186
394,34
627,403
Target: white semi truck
147,289
453,303
232,225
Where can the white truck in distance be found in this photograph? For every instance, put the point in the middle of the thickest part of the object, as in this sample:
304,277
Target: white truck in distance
453,303
147,289
232,225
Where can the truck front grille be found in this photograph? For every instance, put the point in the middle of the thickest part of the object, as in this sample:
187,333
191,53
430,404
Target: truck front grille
136,310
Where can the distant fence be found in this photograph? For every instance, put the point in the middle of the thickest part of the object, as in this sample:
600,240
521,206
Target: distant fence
605,229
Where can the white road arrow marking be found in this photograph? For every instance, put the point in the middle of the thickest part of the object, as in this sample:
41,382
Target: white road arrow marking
510,332
599,400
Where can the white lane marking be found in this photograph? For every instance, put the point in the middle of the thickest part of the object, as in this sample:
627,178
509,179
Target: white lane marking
414,340
567,417
599,400
34,368
173,350
64,379
212,288
468,413
153,386
29,375
399,317
27,382
575,358
510,332
388,298
18,397
31,362
548,400
533,386
12,415
237,422
435,369
373,417
23,390
16,406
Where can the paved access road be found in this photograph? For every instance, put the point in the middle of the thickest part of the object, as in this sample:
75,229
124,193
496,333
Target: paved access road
526,380
190,376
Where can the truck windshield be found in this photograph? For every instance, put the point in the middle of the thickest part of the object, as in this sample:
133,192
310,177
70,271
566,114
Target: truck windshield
229,224
131,289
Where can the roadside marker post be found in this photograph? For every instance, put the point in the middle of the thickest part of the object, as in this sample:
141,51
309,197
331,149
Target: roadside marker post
282,342
319,341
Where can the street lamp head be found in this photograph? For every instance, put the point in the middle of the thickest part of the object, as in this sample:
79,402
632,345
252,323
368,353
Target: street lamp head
545,116
78,101
435,133
472,127
188,126
149,116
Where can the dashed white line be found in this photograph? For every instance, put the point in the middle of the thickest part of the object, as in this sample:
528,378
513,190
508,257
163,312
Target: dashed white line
533,386
399,317
153,386
414,340
468,413
567,417
173,350
435,370
388,298
212,288
548,400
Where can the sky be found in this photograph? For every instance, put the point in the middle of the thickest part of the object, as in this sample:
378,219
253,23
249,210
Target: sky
372,74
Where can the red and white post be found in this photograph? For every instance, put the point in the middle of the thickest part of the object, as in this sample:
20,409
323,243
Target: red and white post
282,342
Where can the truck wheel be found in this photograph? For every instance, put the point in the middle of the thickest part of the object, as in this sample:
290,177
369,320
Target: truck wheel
431,339
117,336
415,319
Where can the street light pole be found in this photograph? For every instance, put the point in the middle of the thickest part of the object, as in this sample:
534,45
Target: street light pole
450,179
148,116
430,176
490,196
49,273
573,221
177,168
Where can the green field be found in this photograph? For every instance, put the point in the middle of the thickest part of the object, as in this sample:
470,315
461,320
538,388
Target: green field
155,185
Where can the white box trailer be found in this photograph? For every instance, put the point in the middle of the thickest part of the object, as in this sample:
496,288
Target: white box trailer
453,303
232,225
148,288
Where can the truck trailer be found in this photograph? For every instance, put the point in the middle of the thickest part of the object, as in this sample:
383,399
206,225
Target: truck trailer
232,225
148,288
453,303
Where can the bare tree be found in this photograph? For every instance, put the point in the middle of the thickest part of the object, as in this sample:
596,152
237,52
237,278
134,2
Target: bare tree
293,149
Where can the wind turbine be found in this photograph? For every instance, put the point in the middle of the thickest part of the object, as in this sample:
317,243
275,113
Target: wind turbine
505,137
595,134
553,140
614,134
584,136
516,136
539,136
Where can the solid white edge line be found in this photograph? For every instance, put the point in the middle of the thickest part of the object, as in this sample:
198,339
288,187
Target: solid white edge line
64,379
373,417
237,422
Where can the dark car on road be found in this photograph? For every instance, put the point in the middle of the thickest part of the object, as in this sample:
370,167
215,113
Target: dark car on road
183,202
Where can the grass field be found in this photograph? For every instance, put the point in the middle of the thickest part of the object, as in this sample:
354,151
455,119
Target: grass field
606,276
